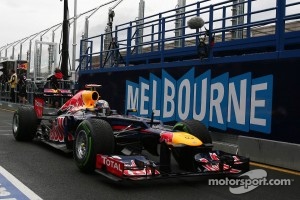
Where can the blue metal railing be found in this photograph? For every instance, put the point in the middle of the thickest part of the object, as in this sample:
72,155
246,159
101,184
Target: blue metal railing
159,38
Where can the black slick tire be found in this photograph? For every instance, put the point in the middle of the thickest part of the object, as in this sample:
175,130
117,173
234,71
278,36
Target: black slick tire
24,124
93,136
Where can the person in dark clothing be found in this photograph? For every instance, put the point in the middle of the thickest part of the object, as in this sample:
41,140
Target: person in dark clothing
55,78
22,88
54,84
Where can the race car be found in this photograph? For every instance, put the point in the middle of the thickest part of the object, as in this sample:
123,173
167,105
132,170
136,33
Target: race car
119,146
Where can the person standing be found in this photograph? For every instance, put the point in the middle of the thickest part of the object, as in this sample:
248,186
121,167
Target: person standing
13,84
54,83
22,88
57,76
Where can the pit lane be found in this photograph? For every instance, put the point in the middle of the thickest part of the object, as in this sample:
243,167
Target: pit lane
51,174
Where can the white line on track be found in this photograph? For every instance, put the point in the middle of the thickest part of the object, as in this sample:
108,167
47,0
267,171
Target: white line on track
18,184
9,123
5,134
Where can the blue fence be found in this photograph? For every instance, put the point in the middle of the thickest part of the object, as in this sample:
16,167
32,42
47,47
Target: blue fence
269,32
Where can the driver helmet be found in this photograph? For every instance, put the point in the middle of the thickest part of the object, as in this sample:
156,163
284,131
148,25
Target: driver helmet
103,105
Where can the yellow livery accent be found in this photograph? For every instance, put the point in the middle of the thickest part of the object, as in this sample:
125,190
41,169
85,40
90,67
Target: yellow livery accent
185,138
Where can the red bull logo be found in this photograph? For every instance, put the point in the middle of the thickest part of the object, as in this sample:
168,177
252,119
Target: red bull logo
83,99
38,106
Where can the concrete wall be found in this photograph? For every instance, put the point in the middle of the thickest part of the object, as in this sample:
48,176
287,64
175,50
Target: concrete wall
280,154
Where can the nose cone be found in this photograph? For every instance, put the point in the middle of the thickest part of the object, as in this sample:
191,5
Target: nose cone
185,138
180,138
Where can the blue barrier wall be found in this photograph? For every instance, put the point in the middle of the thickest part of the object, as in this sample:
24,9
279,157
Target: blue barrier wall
245,86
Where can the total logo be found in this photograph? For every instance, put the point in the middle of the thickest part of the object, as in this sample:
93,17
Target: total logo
112,164
240,102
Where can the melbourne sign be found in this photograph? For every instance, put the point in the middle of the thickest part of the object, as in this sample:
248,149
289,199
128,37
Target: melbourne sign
241,102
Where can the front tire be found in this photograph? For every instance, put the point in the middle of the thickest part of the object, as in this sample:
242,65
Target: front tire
93,136
184,156
24,124
196,128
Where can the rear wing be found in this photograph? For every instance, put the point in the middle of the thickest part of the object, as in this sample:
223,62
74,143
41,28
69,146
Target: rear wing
92,86
45,93
65,89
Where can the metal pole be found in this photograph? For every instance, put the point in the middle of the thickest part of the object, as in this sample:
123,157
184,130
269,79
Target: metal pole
1,52
65,42
21,47
13,53
84,44
29,58
74,35
238,18
179,23
140,27
29,52
8,46
6,52
39,61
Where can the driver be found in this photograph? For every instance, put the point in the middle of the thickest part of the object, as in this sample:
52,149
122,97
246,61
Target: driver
103,106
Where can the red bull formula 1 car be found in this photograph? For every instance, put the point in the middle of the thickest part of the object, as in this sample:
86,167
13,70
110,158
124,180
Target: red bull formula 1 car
114,145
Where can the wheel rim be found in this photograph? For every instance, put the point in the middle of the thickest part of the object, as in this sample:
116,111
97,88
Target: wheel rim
16,123
82,145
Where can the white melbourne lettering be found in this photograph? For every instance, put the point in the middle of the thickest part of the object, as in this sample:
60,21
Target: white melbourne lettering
154,99
169,95
255,103
144,99
215,103
184,100
134,94
239,102
203,101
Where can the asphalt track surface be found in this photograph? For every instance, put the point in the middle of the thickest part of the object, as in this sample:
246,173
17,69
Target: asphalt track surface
52,174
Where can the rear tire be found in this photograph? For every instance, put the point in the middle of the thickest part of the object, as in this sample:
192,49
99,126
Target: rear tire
184,156
24,124
93,136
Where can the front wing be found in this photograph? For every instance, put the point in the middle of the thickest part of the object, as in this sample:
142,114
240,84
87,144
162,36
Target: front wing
120,167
